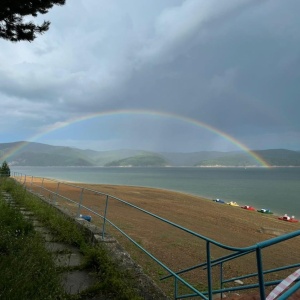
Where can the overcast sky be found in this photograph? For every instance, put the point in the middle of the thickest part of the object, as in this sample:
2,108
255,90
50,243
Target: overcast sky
201,73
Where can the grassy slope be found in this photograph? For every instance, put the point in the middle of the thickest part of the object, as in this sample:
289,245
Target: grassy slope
27,269
113,282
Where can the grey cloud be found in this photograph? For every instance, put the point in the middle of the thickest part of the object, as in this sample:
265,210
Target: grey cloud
231,64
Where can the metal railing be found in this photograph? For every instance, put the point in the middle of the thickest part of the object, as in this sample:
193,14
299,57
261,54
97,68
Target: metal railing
79,198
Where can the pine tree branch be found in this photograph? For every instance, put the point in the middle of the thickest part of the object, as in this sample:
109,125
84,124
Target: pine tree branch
12,25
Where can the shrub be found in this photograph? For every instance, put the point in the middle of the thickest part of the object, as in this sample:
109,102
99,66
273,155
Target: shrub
5,170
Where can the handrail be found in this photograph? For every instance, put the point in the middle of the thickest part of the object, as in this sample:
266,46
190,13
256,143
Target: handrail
208,265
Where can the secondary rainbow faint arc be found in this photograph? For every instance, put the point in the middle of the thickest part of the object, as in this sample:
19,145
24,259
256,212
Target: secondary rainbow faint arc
195,122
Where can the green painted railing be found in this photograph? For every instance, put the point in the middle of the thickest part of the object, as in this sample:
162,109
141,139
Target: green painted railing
30,183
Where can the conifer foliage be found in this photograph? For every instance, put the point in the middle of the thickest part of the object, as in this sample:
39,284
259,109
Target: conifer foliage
5,170
14,28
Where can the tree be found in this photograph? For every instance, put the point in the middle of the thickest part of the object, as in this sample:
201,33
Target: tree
12,25
5,170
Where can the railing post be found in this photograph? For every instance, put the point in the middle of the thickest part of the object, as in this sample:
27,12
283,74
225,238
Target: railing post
104,219
42,185
175,287
56,193
260,274
31,182
80,202
221,278
209,279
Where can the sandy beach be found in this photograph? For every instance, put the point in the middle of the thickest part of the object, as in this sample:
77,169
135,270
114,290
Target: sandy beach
231,226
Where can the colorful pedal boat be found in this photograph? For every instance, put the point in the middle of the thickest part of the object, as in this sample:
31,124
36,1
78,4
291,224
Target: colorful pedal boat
247,207
288,218
86,217
219,201
265,211
232,203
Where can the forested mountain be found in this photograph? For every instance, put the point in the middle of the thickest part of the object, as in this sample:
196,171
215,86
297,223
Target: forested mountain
37,154
140,161
273,157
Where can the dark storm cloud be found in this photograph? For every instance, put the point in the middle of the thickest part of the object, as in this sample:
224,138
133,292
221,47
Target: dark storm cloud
233,65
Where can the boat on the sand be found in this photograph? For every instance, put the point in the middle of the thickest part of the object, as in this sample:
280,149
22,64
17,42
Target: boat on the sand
232,203
265,211
219,201
248,207
288,218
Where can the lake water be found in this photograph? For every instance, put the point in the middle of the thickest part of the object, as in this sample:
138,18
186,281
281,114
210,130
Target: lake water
274,188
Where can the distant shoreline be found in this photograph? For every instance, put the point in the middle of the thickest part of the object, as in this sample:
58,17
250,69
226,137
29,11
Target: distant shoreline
102,187
242,167
250,186
37,153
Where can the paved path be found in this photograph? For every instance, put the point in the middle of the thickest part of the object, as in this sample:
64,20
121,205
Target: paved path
69,259
65,256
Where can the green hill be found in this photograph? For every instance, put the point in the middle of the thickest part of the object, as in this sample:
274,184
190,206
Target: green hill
273,157
48,159
240,160
37,154
103,158
139,161
190,159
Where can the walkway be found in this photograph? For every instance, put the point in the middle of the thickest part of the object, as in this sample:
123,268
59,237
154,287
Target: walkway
68,258
70,261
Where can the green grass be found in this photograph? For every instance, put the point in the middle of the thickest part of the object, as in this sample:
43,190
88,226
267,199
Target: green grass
27,269
113,281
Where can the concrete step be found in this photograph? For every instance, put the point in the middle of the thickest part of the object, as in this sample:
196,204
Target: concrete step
77,281
68,260
64,255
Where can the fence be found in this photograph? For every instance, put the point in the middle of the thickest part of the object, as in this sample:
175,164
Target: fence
197,280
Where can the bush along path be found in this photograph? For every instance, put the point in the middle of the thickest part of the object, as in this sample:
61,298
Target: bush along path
69,265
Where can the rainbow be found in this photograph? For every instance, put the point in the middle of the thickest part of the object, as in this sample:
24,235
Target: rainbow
189,120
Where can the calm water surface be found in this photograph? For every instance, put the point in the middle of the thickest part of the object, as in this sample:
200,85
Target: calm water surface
275,188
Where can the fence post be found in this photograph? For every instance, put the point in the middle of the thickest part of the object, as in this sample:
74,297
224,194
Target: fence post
104,220
42,185
221,278
209,277
175,287
56,193
260,274
31,183
80,202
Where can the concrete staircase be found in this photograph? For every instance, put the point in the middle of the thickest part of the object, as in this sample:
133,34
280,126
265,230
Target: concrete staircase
68,258
70,261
